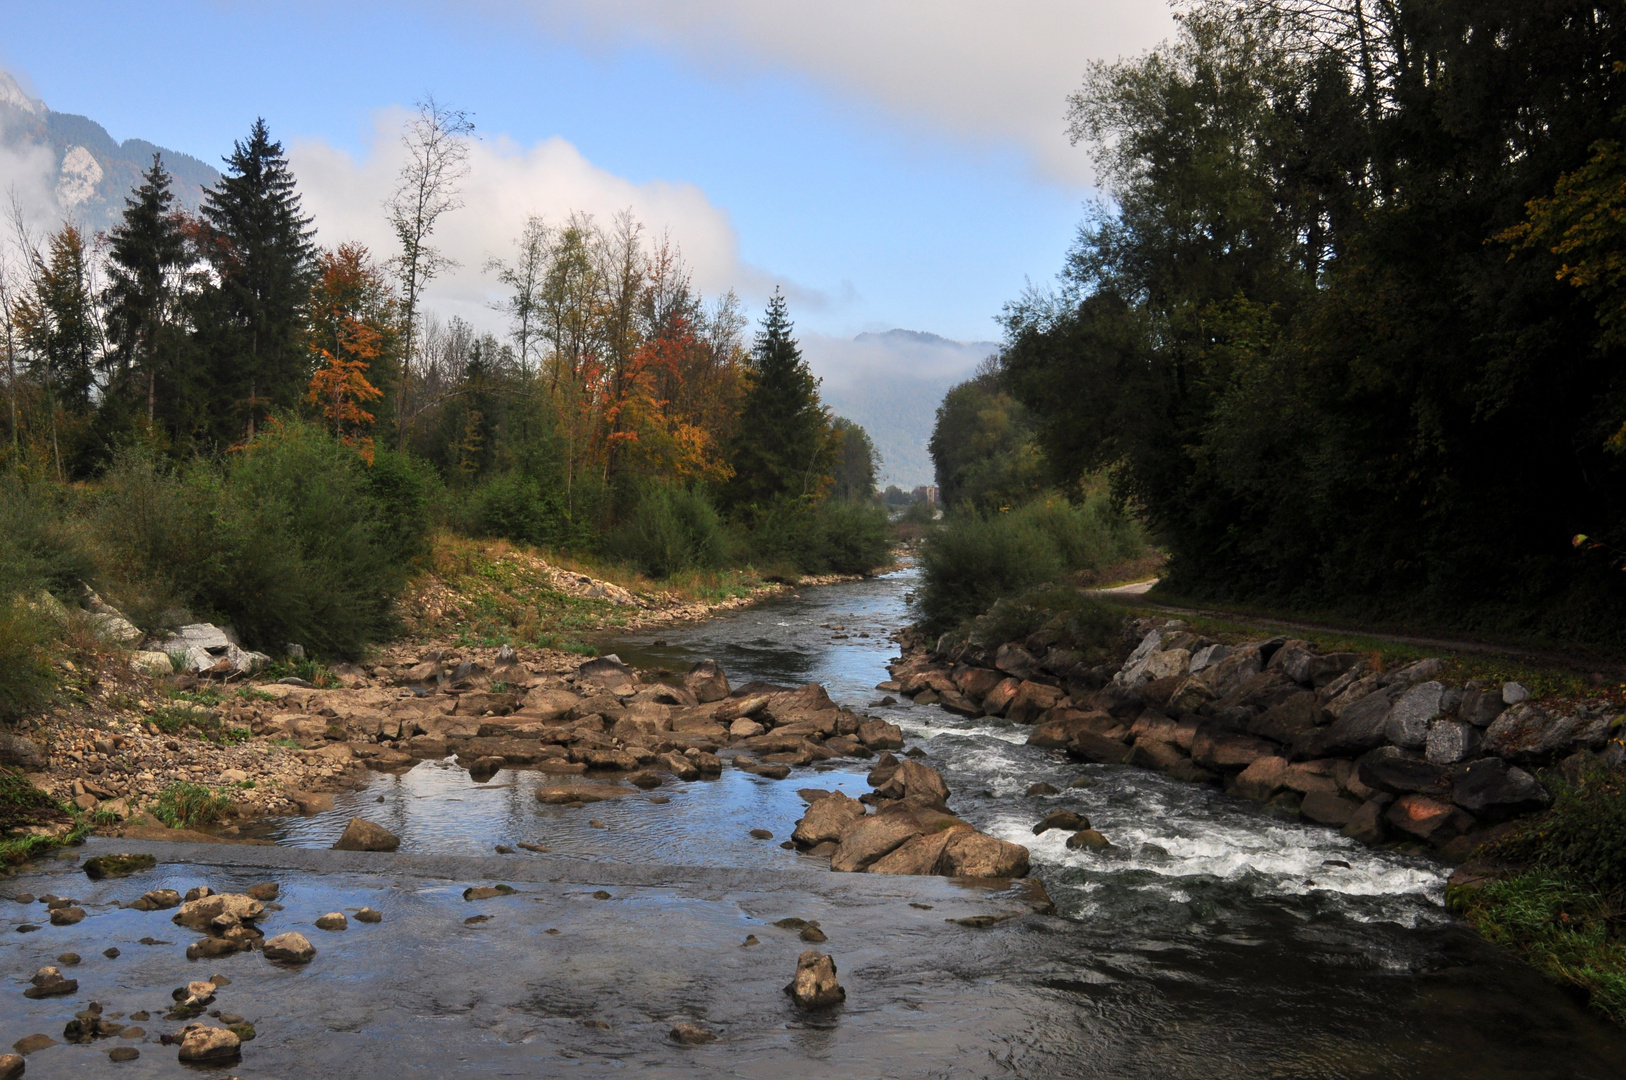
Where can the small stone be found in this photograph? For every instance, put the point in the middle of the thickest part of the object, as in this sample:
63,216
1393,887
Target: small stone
503,849
197,892
812,934
1088,838
815,985
122,1053
750,940
27,928
761,834
690,1035
203,1045
476,920
1082,782
142,1016
602,895
922,907
11,1066
290,948
48,982
1061,819
158,900
645,780
68,959
24,898
1042,789
67,916
539,848
596,824
333,921
486,892
111,953
30,1044
1513,693
265,890
658,800
368,915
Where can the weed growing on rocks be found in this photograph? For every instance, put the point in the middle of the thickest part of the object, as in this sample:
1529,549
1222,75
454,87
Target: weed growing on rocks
187,805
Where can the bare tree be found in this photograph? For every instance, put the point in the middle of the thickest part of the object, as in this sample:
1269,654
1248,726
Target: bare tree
7,303
525,278
437,145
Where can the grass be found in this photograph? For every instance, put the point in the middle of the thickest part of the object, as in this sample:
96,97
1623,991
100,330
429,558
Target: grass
493,592
183,806
187,719
1569,932
22,805
312,671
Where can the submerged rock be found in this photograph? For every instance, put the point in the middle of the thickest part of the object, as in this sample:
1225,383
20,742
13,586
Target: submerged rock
691,1035
105,866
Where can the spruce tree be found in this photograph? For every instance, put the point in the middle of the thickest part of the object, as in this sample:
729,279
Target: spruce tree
260,245
147,255
784,446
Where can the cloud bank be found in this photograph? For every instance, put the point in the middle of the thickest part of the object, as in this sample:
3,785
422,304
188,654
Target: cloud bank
995,73
507,183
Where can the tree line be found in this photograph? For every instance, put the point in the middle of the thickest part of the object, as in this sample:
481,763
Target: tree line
1345,328
183,336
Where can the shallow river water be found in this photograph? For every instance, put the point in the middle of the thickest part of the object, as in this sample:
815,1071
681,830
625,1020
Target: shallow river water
1212,941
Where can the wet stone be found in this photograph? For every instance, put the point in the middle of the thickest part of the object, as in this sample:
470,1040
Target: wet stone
111,953
123,1053
750,940
814,985
333,921
761,834
486,892
1061,819
68,959
11,1066
123,865
690,1035
1042,789
1088,838
31,1044
368,915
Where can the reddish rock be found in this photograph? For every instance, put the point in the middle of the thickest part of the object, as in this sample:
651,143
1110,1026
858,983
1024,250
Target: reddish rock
1428,819
997,700
1030,701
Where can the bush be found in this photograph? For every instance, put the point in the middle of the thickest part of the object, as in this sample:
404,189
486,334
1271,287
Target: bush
976,560
42,541
23,804
670,529
294,539
184,805
1583,835
26,676
516,507
829,537
1077,621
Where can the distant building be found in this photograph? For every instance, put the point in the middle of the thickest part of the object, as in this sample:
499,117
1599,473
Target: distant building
926,493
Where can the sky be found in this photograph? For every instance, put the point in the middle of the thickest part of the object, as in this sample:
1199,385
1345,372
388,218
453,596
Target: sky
887,164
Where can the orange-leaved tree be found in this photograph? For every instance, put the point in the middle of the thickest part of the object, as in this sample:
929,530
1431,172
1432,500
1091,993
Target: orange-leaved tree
354,328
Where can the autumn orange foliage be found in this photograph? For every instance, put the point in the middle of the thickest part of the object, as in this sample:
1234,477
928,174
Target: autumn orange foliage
353,329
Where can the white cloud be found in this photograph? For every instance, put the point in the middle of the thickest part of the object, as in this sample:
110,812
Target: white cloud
507,182
992,72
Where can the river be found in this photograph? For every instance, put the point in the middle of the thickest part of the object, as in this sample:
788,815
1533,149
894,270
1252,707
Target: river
1213,940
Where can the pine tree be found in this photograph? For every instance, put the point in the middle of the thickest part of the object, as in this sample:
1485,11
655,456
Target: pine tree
260,245
785,445
147,256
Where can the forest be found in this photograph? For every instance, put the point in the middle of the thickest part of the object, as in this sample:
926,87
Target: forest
1344,328
210,413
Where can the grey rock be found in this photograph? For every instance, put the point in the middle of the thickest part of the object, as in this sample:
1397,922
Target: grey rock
21,751
1208,656
1493,789
1412,674
1412,716
815,985
1362,726
1133,673
1480,706
363,835
1514,693
1451,741
1529,733
1388,769
1016,661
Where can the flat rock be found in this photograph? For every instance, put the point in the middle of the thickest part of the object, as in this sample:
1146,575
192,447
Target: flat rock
977,855
289,948
30,1044
1088,838
206,1045
1493,789
581,793
105,866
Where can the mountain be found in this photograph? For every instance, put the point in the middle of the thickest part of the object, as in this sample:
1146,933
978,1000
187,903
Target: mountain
891,383
62,165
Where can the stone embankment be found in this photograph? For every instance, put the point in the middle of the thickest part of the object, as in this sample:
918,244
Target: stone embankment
1382,755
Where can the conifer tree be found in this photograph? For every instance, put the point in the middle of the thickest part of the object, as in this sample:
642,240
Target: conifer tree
785,445
260,245
148,254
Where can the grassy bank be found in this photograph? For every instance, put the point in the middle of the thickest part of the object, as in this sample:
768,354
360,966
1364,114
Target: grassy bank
1560,900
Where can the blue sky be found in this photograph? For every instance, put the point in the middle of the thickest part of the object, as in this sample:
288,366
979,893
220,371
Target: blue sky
889,170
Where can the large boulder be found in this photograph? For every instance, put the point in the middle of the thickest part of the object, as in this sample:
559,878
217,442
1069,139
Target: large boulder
919,855
815,985
997,700
880,735
1408,722
1031,701
608,672
826,819
868,839
1016,661
363,835
1328,808
916,783
1360,726
1392,770
1213,747
1058,727
1289,720
1529,733
969,853
1480,706
1428,819
200,914
1492,789
1451,741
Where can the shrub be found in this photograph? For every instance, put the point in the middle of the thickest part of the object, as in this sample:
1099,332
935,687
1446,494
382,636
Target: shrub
184,805
515,506
975,559
829,537
670,529
294,539
1582,836
1078,622
22,804
26,676
43,544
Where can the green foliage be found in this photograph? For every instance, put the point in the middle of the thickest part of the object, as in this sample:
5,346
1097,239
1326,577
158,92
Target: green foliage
1075,620
1564,929
856,465
519,507
21,803
829,537
27,679
975,560
42,544
983,449
182,806
1582,836
670,530
292,540
1291,333
785,445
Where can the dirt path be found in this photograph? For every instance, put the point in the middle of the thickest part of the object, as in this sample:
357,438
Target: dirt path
1136,593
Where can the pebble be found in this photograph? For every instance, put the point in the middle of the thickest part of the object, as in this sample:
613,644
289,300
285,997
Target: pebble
476,920
368,915
503,849
750,940
68,959
538,848
111,954
761,834
333,921
602,895
813,934
690,1035
123,1053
